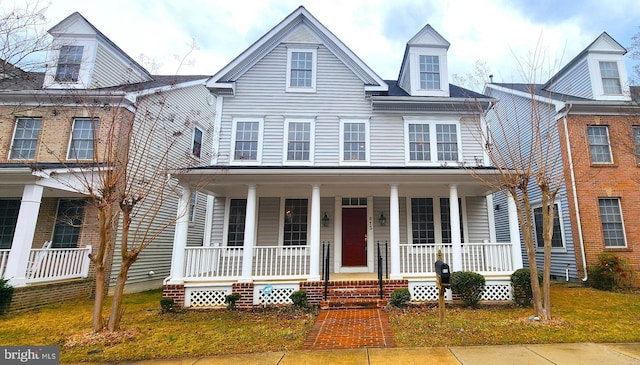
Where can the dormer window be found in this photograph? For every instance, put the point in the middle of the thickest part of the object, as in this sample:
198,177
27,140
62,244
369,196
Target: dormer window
301,70
69,63
610,78
429,72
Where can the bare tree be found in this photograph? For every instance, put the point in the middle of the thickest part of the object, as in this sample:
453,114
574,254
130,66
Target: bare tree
23,39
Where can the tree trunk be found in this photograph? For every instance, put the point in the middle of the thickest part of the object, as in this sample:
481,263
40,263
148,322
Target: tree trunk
98,299
116,306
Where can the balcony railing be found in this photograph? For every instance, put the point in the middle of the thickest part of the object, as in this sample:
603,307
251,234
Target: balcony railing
51,264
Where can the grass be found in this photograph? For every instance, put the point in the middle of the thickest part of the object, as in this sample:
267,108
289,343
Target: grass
580,315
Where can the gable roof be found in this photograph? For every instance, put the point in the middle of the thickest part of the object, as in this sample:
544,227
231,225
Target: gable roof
237,67
427,36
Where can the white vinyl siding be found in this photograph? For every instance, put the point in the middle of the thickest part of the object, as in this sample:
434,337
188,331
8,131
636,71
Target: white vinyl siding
110,70
599,144
576,82
612,222
25,138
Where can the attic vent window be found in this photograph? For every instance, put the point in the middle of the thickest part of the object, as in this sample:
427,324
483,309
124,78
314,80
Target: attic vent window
610,78
430,72
301,70
69,63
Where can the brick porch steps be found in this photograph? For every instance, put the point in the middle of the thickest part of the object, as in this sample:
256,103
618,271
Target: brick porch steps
353,295
353,303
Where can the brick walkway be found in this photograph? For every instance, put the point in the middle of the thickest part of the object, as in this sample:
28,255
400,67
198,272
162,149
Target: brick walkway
350,329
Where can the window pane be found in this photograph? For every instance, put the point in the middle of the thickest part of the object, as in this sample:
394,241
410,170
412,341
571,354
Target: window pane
69,63
25,139
82,139
429,72
247,141
295,222
8,217
599,144
422,221
612,226
447,142
355,145
301,69
419,146
237,213
299,142
197,142
445,219
610,78
68,223
556,240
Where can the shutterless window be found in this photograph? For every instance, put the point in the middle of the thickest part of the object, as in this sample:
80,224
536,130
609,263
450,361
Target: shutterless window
69,63
355,144
25,138
636,138
447,142
196,148
68,223
610,78
192,205
299,141
430,72
422,225
301,69
295,222
612,225
599,144
237,213
82,138
419,144
247,140
445,220
8,217
556,240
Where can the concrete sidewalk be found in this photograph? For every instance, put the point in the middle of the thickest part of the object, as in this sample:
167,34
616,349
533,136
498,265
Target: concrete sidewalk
573,353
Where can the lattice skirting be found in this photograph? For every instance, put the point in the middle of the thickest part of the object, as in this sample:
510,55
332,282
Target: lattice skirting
426,291
276,293
206,296
497,290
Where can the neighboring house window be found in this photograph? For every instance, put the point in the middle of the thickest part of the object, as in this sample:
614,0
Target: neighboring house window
599,144
193,200
354,142
299,141
25,138
610,78
301,70
82,138
431,142
422,226
8,217
430,72
69,63
419,142
68,223
237,213
612,224
556,240
295,222
196,148
447,139
636,138
247,141
445,220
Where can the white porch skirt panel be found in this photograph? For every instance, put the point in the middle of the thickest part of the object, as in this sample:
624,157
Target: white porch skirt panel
496,290
279,295
206,296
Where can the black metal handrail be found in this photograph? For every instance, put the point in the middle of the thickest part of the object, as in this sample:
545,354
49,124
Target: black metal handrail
325,266
380,272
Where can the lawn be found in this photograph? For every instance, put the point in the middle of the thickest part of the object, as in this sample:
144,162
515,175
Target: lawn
580,314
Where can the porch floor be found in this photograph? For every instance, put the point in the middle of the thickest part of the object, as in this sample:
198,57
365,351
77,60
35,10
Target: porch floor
353,276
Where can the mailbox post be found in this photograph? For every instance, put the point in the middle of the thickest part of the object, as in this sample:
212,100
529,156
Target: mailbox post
443,274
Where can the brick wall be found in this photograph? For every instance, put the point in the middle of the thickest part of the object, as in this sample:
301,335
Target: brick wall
621,179
315,289
34,296
246,294
176,292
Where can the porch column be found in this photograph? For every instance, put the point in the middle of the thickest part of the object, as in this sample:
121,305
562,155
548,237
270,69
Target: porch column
249,234
16,270
180,238
454,218
394,232
514,232
314,233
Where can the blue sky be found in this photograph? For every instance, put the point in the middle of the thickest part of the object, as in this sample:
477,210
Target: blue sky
499,32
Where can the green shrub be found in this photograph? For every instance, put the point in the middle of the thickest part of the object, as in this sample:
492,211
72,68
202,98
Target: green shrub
521,286
469,286
400,297
168,305
6,292
231,300
299,299
610,273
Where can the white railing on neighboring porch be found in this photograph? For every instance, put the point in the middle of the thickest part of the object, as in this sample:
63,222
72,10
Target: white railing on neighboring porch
50,264
4,258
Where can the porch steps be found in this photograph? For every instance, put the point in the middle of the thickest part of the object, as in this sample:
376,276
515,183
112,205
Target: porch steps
353,295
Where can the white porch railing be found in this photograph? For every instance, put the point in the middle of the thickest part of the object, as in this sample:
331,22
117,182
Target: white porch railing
281,261
420,259
4,258
52,264
487,257
213,262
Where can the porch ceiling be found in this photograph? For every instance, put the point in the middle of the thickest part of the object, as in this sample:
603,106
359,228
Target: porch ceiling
338,181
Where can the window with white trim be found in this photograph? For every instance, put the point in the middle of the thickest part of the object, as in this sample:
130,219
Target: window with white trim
354,140
432,142
69,62
301,70
599,144
237,213
422,221
610,77
299,146
9,209
636,139
295,222
247,141
193,201
196,145
447,142
612,223
68,222
82,138
25,138
419,142
557,240
429,72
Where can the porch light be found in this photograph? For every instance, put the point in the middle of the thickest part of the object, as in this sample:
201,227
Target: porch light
382,219
325,219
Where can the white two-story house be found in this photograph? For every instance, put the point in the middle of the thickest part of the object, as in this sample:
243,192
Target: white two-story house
323,170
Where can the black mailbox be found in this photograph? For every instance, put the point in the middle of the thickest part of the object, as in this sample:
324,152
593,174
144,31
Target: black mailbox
442,270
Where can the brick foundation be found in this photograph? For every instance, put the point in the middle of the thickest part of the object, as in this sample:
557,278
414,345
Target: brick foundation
34,296
315,289
176,292
246,294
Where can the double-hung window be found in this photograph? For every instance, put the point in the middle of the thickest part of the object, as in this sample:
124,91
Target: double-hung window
68,222
612,223
295,222
82,139
429,72
422,221
447,142
299,142
247,141
599,144
196,146
610,78
69,63
237,213
301,69
9,209
636,139
419,142
25,138
557,240
431,142
354,141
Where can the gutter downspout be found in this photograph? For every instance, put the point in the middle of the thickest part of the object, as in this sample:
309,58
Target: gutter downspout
575,194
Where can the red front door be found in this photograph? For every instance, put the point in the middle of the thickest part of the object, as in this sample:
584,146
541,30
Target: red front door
354,237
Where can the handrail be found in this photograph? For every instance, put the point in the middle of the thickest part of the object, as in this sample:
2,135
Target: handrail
380,272
325,269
